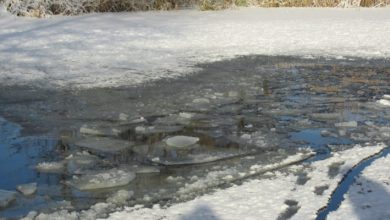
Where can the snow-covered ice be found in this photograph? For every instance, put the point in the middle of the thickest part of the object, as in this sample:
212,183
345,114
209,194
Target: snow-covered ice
369,196
113,49
263,198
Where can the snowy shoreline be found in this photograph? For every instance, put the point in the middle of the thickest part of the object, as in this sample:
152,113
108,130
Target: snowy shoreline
134,48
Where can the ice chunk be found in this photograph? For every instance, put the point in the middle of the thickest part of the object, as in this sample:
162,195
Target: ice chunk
233,94
325,116
27,189
76,163
349,124
50,167
181,141
120,197
157,129
186,115
384,102
145,169
103,179
201,101
105,145
100,131
6,197
386,97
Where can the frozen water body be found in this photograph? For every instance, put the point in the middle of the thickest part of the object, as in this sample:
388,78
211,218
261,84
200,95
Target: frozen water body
105,145
271,108
102,179
27,189
181,141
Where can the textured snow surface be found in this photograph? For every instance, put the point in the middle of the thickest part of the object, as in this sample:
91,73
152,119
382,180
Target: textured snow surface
263,198
99,50
369,196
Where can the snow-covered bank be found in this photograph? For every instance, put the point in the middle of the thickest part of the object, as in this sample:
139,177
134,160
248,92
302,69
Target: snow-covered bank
369,196
99,50
304,190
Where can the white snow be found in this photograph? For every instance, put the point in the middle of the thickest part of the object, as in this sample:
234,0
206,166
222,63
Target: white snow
262,198
100,50
369,196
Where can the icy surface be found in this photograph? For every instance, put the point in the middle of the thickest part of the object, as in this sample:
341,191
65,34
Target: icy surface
369,196
137,47
263,198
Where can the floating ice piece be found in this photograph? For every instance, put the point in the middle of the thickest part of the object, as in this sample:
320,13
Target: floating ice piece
105,145
157,129
27,189
139,169
181,141
386,97
123,117
186,115
201,100
76,163
103,179
325,116
349,124
92,130
6,197
120,197
384,102
233,94
201,158
50,167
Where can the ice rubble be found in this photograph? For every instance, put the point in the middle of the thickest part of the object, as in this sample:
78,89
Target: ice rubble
79,51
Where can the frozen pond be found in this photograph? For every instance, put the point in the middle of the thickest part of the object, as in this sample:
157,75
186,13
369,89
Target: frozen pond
172,140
